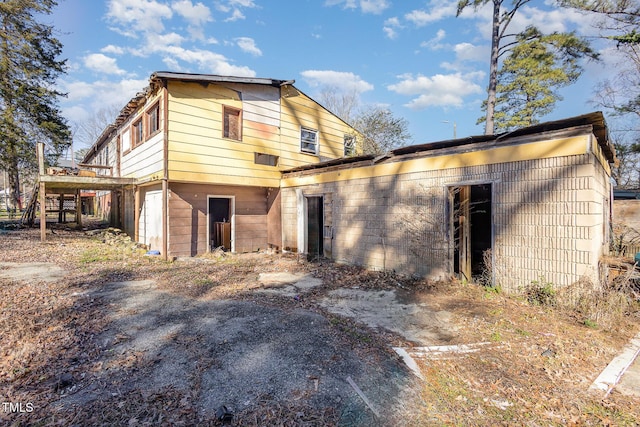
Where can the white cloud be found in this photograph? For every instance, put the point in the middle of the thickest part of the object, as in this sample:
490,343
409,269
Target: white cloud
88,98
438,10
438,90
235,8
209,62
390,26
135,16
102,64
375,7
470,52
434,43
116,50
196,14
247,44
339,79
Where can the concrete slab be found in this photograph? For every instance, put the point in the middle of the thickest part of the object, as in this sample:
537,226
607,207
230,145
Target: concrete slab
287,284
619,366
33,271
386,309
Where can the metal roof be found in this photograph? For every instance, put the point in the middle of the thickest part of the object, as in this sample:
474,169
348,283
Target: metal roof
212,78
595,120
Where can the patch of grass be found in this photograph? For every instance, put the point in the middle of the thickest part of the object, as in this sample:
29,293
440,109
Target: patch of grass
541,292
522,332
98,254
496,336
590,324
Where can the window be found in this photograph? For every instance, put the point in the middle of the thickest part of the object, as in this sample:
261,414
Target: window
265,159
138,133
153,119
232,123
349,145
309,141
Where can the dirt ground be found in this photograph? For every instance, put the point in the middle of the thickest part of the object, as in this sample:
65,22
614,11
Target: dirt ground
96,333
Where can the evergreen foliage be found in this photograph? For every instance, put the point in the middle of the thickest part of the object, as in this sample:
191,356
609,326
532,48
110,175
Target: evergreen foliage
29,67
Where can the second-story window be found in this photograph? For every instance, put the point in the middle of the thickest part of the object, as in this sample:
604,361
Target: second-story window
138,133
153,119
309,141
232,123
349,145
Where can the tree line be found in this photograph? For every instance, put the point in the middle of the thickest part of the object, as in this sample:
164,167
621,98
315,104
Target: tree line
526,71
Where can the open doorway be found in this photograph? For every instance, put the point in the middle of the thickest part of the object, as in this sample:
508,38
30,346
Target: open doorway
219,217
472,229
315,227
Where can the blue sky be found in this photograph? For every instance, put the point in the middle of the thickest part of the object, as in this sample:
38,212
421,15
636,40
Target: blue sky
415,57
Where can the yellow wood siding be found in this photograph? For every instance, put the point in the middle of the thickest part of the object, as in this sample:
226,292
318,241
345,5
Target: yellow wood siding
197,152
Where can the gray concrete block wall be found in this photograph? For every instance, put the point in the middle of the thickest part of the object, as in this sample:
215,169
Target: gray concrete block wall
547,220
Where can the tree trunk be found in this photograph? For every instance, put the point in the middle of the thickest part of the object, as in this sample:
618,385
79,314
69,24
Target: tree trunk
14,185
493,69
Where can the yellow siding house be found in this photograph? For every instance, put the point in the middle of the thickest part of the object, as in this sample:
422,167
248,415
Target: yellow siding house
207,153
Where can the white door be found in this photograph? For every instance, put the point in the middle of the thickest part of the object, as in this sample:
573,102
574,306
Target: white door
151,220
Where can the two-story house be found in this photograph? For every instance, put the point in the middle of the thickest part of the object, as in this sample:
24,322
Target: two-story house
206,153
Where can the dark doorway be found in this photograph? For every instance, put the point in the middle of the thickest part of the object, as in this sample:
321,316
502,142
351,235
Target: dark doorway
220,223
472,229
314,227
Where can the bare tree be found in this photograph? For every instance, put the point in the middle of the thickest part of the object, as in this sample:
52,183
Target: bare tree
378,129
87,132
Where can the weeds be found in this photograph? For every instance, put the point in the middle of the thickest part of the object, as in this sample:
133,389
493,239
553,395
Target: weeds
541,292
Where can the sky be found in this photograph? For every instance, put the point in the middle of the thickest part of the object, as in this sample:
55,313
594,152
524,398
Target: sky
414,57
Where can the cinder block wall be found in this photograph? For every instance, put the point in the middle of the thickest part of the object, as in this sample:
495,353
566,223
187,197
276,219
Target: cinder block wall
550,219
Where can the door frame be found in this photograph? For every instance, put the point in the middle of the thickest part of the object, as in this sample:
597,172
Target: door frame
466,229
232,219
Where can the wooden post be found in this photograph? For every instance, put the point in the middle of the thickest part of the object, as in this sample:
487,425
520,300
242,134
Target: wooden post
78,208
43,192
465,232
136,214
165,225
43,212
60,208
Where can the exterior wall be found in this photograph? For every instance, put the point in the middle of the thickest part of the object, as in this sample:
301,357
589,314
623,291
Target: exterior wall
188,222
549,217
197,151
145,160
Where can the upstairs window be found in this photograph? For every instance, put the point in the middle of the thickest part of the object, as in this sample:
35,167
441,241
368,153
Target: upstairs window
232,123
153,119
309,141
349,145
138,133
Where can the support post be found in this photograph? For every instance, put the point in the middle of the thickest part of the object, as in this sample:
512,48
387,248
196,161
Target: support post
165,224
61,209
43,212
79,208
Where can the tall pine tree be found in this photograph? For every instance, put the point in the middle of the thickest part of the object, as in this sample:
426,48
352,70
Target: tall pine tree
504,42
537,67
29,67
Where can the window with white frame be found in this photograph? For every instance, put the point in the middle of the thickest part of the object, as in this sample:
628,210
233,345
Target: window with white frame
309,141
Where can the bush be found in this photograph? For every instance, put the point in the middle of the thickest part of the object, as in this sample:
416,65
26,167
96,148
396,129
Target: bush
541,292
